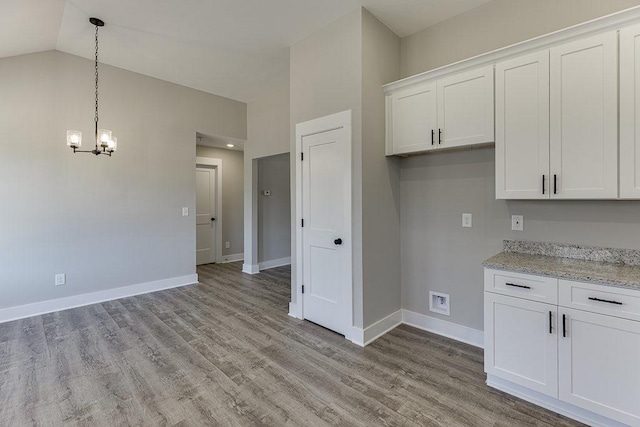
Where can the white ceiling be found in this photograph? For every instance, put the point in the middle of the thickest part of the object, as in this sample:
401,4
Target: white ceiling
233,48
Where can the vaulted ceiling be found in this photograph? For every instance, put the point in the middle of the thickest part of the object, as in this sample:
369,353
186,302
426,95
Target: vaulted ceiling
232,48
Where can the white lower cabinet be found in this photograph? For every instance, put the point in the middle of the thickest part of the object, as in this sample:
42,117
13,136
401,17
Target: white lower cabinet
600,364
585,362
522,345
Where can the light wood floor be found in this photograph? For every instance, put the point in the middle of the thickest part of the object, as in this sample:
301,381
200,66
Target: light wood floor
225,352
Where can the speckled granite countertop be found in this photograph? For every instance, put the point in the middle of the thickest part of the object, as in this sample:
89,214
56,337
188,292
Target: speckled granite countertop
606,266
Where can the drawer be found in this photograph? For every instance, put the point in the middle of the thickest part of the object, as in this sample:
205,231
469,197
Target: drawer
527,286
609,300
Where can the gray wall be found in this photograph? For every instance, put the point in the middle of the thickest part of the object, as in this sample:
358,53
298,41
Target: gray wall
274,211
380,175
105,222
496,24
268,134
326,78
437,253
232,197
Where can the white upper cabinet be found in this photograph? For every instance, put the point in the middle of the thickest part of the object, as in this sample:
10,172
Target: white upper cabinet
414,119
584,118
522,127
465,108
454,111
630,112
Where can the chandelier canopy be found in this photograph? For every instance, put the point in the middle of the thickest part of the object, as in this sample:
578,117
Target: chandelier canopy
106,143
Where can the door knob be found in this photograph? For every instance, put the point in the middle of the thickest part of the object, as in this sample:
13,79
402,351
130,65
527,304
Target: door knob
338,241
213,219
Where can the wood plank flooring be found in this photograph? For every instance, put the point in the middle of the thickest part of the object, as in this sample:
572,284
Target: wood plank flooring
225,352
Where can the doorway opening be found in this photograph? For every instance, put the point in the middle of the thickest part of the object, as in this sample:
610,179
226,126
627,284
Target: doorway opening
219,199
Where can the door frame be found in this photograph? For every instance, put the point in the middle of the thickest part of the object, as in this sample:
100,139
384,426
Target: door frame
312,127
215,164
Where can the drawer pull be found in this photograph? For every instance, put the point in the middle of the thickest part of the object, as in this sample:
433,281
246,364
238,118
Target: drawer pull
605,300
518,286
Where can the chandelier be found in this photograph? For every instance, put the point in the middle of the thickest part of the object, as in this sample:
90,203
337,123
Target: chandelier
106,143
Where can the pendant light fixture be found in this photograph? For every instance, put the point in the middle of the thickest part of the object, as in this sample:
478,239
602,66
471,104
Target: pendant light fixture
106,143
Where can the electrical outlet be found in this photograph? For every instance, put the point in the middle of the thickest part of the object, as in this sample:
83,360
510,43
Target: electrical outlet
227,245
185,211
61,279
517,222
467,220
440,303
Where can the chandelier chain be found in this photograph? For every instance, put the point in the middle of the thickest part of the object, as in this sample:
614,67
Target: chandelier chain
96,118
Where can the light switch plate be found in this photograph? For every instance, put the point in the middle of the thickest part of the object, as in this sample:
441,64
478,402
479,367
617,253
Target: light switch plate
517,222
185,211
467,220
227,245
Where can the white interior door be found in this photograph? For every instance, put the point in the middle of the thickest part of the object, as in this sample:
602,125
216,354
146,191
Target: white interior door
584,118
326,231
205,215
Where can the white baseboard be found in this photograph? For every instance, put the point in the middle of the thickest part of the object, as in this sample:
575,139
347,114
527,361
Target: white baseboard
382,326
444,328
553,404
356,336
232,258
43,307
251,268
293,310
265,265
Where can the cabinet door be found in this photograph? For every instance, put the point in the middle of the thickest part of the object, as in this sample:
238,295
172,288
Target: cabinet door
630,112
584,118
599,368
414,119
522,127
521,342
465,108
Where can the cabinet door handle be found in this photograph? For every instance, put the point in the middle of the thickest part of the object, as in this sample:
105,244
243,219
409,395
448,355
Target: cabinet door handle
555,184
433,132
564,325
550,322
605,300
518,286
439,136
542,183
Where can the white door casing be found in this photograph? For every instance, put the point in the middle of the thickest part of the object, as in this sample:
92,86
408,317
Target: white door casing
522,127
324,263
584,118
208,206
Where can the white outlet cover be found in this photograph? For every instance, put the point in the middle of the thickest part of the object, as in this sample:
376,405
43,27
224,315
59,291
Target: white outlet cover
185,211
517,222
467,220
61,279
227,245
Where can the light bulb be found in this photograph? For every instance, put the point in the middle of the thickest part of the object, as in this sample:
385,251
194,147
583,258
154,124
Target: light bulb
104,136
74,138
112,144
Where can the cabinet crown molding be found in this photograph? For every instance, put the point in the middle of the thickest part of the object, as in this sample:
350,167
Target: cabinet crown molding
610,22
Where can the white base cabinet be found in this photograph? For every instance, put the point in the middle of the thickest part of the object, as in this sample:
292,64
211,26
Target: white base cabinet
586,358
522,344
599,360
